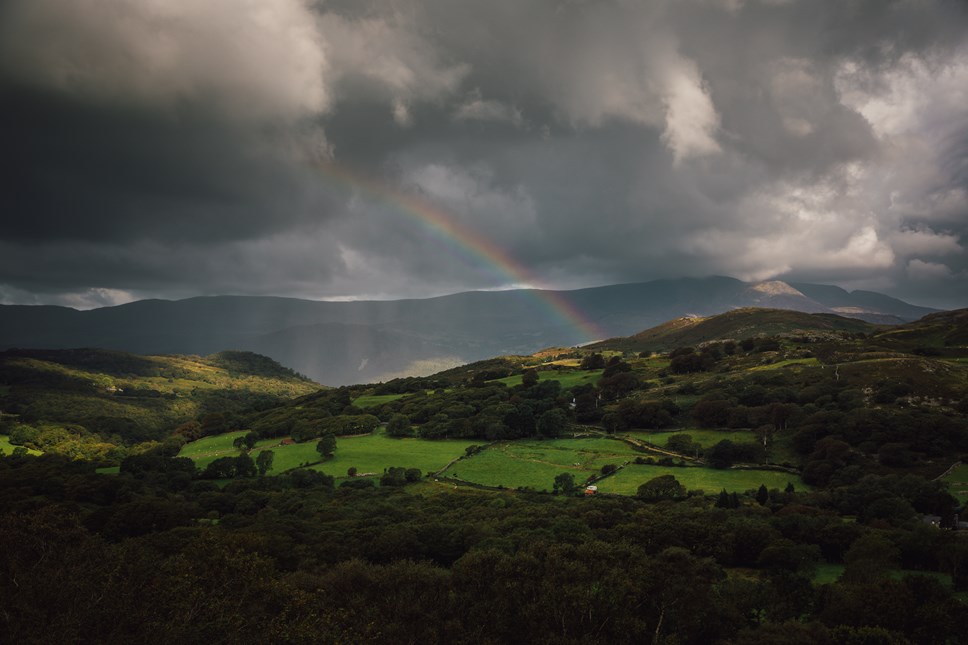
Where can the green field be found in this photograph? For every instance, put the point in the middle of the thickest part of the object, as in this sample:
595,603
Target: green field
800,362
704,438
958,482
375,400
494,467
535,464
567,379
827,573
8,447
208,449
710,480
373,452
368,453
528,463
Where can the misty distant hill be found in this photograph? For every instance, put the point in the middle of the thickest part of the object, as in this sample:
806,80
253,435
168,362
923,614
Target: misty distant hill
352,342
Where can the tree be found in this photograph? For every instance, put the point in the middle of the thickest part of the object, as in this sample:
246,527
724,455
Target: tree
661,487
592,362
618,385
221,468
399,426
244,466
264,461
681,443
552,423
565,484
351,471
711,413
394,476
326,446
529,378
870,557
762,495
721,455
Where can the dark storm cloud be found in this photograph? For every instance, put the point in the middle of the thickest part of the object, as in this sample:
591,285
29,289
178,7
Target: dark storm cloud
173,151
77,171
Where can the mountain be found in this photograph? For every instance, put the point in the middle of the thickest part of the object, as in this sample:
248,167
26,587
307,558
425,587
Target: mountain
737,325
356,342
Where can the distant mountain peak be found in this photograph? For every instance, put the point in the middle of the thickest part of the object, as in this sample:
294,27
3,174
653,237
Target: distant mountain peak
776,288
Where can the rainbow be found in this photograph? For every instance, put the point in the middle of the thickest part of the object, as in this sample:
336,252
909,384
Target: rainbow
469,243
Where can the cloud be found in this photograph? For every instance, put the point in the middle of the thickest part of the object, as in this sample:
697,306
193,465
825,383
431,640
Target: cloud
388,57
691,119
920,271
259,59
171,148
474,108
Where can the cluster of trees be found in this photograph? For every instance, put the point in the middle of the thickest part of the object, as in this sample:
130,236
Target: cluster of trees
343,424
490,411
139,557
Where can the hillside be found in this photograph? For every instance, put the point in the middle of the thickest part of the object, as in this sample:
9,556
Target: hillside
789,486
99,403
358,342
736,325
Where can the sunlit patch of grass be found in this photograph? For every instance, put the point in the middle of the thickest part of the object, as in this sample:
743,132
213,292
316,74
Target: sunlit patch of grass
709,480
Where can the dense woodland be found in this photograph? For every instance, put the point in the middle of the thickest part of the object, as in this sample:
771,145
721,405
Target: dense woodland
162,550
289,559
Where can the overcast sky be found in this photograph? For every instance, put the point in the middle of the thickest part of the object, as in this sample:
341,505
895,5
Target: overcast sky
172,148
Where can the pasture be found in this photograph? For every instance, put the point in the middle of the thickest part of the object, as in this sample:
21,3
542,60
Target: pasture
7,448
512,464
368,453
705,438
536,463
957,481
208,449
568,379
375,400
792,362
709,480
373,452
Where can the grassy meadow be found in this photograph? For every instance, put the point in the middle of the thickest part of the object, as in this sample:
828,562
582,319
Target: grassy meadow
958,482
536,463
375,400
373,452
7,448
709,480
705,438
568,379
367,453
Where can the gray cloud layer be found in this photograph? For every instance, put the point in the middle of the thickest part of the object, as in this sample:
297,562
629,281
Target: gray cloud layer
175,148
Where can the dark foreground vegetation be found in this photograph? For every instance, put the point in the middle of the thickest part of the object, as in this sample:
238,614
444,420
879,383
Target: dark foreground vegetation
164,557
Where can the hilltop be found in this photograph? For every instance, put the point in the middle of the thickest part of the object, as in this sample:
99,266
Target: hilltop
98,404
737,324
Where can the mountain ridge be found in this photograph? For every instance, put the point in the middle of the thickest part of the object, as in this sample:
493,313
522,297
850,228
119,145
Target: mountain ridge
365,341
